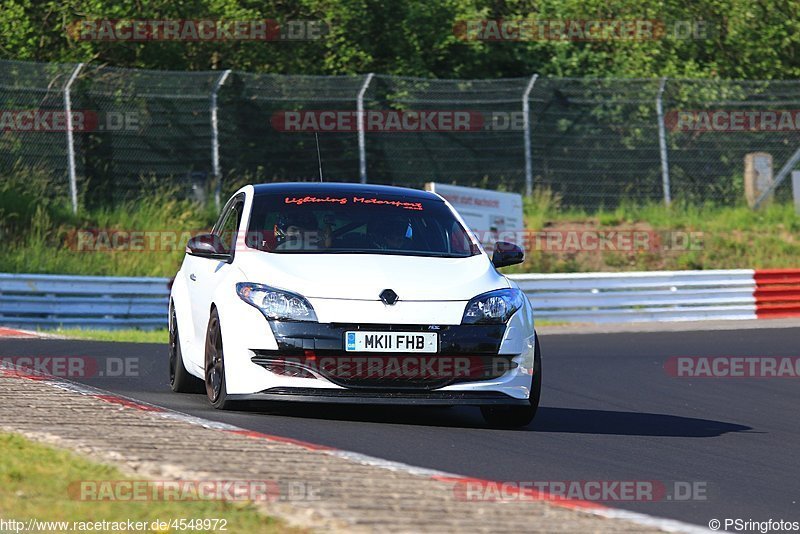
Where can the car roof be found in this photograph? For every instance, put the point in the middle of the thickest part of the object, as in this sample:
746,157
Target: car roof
342,189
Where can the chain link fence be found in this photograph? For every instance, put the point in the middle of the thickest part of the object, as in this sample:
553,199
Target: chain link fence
28,86
594,142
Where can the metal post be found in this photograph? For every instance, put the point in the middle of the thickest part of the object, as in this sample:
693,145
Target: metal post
362,143
73,183
787,168
526,124
215,169
662,142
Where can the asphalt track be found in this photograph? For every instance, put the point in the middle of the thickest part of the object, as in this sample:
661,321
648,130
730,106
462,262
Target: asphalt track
609,412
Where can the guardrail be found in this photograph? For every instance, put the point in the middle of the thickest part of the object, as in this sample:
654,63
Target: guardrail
642,296
47,301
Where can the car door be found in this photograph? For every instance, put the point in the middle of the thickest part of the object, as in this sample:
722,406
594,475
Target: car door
205,274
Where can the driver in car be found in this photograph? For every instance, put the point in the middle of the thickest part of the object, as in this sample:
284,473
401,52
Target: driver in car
297,231
392,233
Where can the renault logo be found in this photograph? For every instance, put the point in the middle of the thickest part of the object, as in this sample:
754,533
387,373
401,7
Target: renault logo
388,296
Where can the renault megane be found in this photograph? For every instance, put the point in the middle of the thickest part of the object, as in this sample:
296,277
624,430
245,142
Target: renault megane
352,293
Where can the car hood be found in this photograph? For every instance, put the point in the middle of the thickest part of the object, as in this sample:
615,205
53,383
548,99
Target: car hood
364,276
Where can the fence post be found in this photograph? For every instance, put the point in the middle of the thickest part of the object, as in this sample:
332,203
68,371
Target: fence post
215,169
785,171
362,143
662,142
526,124
73,182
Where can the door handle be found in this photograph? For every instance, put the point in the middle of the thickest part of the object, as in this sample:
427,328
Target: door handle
192,277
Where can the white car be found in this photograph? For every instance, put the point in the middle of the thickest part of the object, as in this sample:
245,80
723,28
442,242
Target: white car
334,292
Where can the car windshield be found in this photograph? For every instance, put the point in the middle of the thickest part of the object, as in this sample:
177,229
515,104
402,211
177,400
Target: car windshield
333,223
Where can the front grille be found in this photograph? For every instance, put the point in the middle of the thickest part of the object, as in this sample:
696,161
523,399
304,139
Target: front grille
462,339
384,371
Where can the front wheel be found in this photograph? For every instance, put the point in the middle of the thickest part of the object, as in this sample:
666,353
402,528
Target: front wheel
518,416
180,380
215,365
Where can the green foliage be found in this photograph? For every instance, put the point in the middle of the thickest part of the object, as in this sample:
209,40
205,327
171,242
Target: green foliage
741,39
729,237
40,234
119,336
725,237
28,196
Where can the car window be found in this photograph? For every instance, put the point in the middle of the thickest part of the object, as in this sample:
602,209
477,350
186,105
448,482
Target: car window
328,223
230,225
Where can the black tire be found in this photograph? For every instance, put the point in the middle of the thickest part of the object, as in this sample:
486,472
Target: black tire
215,365
518,416
180,380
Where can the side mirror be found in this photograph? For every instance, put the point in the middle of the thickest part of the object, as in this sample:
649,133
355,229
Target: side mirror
207,246
506,254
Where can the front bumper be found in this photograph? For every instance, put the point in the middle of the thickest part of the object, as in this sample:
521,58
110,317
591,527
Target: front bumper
412,398
465,354
249,338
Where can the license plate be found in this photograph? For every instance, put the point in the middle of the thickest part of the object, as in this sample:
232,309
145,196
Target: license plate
391,342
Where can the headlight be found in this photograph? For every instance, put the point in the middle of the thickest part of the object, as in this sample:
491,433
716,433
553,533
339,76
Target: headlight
494,307
276,303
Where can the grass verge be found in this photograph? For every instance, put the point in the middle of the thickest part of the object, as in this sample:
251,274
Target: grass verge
678,237
125,336
35,484
40,237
